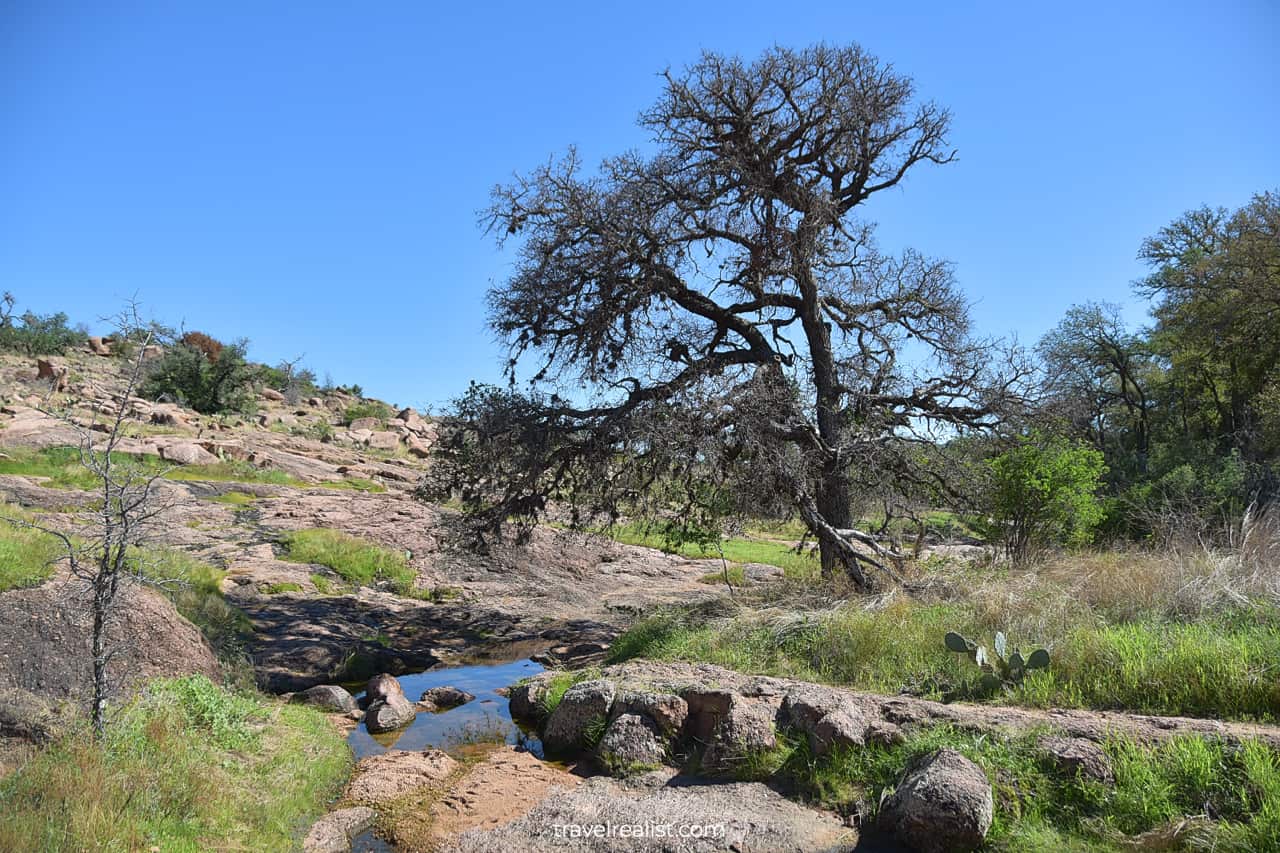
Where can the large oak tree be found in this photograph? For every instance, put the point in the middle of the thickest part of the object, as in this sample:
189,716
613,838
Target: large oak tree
720,305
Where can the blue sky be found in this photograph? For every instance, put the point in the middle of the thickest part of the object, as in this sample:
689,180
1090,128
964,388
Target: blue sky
307,175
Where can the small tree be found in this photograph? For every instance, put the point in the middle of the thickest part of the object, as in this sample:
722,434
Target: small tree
210,384
105,556
1044,491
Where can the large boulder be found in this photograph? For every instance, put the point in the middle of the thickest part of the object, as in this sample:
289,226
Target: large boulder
384,440
942,805
369,424
329,697
748,727
582,705
525,700
97,345
53,372
271,394
45,631
632,744
187,454
439,699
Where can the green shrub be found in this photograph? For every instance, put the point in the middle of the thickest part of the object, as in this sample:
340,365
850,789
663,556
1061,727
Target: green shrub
187,375
367,409
1044,491
35,334
188,766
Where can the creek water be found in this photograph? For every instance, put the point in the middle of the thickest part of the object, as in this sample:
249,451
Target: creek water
487,718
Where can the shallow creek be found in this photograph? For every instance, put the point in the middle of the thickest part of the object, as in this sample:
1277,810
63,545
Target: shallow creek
484,719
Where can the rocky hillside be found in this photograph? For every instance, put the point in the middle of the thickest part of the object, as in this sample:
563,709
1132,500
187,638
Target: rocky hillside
244,486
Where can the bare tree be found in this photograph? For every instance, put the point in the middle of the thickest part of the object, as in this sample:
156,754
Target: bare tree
104,557
729,268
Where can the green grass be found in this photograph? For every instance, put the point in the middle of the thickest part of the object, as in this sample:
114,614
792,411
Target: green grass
1038,808
739,550
560,684
188,766
26,556
277,588
1223,668
737,576
234,499
61,466
326,586
356,561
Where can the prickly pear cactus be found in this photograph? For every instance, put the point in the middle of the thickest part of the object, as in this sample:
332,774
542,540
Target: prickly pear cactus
999,667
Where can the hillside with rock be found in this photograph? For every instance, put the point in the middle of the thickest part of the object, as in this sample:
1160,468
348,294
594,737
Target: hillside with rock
562,592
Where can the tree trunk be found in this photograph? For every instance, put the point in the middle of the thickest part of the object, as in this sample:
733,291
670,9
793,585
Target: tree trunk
101,607
834,504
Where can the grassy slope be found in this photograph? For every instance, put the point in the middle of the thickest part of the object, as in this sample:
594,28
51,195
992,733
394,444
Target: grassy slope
188,766
26,556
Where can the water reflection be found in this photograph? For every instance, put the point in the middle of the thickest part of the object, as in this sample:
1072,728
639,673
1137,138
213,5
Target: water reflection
485,719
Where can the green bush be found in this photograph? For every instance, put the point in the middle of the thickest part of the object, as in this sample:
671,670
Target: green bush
367,409
34,334
185,374
1044,491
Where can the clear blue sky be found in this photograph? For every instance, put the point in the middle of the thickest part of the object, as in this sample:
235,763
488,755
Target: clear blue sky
307,174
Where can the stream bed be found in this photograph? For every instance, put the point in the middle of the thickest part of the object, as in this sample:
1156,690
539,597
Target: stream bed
486,718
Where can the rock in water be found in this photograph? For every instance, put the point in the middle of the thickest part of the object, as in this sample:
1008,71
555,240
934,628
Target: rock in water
382,686
443,698
387,715
942,805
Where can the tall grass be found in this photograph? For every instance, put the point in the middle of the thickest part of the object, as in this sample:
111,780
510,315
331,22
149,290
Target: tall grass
799,566
188,766
27,556
1224,668
195,588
